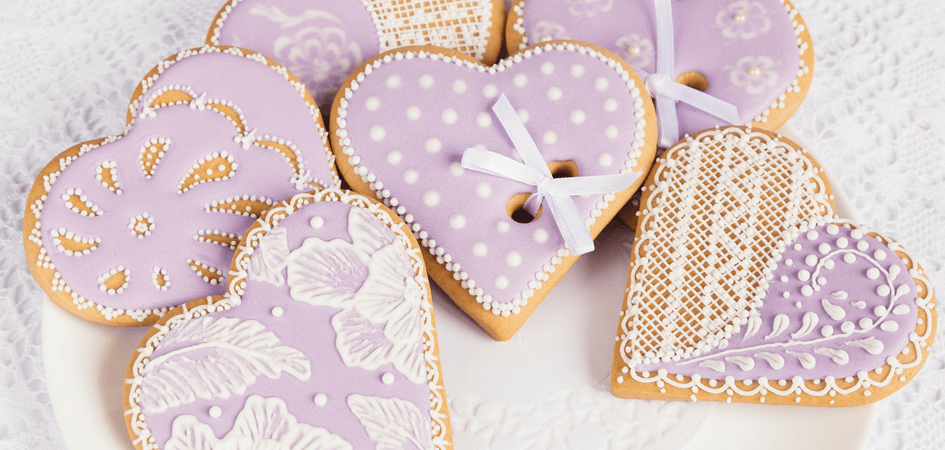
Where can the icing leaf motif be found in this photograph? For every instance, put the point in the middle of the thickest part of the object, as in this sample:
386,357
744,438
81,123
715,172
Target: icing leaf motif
713,364
809,322
264,423
775,360
806,359
835,312
754,324
216,358
781,322
326,273
872,345
391,422
744,362
270,257
838,356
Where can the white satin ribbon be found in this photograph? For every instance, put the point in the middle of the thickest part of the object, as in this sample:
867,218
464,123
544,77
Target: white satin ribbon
535,172
667,91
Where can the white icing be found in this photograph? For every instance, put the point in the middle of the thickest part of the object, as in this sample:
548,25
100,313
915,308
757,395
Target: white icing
781,322
483,189
426,81
540,235
806,359
249,349
577,70
484,120
889,326
555,94
387,378
449,116
456,169
263,423
320,399
431,198
611,105
901,310
827,331
459,86
870,344
835,312
715,365
744,362
612,131
809,323
513,259
578,117
601,84
269,261
520,80
501,282
550,137
372,104
754,324
480,249
377,133
605,160
457,221
413,113
839,357
774,360
411,176
316,223
215,412
391,422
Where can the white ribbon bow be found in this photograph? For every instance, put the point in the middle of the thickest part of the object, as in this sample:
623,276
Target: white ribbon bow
667,92
535,172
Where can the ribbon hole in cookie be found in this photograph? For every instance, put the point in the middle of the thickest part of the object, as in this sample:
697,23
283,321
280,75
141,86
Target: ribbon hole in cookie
515,207
563,169
694,80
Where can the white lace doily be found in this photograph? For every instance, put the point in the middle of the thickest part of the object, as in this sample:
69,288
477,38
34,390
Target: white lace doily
873,114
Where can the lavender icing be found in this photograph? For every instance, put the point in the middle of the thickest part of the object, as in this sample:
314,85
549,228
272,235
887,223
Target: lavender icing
168,206
798,335
405,125
747,50
276,352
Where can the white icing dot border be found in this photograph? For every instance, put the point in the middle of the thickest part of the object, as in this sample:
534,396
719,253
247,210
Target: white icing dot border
473,288
628,334
439,422
34,210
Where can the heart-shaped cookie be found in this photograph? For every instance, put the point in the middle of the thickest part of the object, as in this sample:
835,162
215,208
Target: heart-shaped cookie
754,54
324,339
323,41
403,121
118,230
745,287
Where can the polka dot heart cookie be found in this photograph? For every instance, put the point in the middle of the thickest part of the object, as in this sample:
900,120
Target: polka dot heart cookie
325,339
119,230
322,41
755,55
403,122
745,287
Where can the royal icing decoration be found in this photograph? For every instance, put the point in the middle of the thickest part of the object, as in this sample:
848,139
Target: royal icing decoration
325,338
701,60
111,223
745,287
322,42
406,119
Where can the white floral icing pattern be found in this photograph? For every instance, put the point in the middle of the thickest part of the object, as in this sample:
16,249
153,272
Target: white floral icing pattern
264,423
743,19
549,30
319,52
391,422
636,50
754,74
589,8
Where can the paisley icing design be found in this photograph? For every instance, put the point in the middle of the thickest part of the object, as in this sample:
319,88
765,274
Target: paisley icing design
408,153
753,54
805,311
171,195
322,41
262,368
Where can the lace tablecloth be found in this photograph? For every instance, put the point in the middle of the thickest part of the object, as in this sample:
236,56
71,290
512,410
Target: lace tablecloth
873,114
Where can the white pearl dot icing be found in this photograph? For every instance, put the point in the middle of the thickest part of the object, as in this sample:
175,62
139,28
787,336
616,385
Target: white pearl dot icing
577,70
431,198
277,311
480,249
215,412
393,81
320,399
378,133
540,235
490,91
501,282
413,113
372,104
484,120
394,157
458,221
388,378
450,116
555,93
459,86
547,68
483,189
317,222
411,176
513,259
520,80
433,145
578,117
426,81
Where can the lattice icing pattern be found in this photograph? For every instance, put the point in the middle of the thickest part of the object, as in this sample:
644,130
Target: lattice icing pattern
744,287
322,42
168,198
347,360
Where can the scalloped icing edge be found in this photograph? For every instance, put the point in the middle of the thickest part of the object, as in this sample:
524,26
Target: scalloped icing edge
487,50
797,391
32,231
439,413
500,319
771,118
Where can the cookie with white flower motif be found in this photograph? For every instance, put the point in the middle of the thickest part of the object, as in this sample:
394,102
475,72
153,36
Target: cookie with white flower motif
756,55
323,41
121,229
325,339
405,121
745,287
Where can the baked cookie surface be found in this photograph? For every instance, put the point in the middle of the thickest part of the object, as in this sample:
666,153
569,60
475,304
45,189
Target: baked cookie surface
745,287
